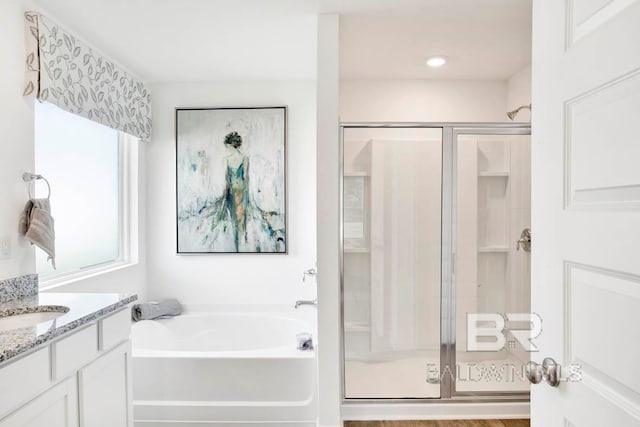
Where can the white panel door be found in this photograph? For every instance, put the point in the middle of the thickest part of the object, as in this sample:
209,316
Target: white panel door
586,210
57,407
105,390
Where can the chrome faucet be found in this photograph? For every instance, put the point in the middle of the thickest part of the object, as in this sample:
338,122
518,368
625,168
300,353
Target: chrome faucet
313,303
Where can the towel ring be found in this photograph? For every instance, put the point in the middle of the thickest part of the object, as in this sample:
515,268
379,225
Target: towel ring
28,177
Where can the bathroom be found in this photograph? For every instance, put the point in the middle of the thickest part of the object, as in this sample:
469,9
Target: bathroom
410,161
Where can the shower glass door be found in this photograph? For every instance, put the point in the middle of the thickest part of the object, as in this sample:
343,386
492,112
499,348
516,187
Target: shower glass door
392,227
492,277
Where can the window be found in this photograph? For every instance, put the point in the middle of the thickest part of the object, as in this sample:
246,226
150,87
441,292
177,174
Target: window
86,163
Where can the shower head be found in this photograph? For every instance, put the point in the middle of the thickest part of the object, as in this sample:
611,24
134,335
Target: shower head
512,114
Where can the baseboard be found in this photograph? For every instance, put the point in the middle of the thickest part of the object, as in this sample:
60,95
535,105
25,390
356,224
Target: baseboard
434,411
140,423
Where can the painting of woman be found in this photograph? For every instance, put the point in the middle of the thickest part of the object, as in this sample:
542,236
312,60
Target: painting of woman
224,205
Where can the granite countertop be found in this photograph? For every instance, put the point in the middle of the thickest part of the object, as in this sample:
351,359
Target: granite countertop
83,308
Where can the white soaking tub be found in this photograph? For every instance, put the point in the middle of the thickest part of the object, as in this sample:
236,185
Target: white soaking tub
224,368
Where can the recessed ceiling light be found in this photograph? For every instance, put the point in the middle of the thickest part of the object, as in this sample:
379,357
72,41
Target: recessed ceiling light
436,61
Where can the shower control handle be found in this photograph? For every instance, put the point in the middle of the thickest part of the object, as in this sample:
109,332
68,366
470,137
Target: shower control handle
525,240
308,273
549,371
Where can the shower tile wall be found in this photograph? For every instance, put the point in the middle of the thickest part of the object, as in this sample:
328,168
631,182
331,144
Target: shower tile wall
493,198
357,254
392,256
519,262
392,259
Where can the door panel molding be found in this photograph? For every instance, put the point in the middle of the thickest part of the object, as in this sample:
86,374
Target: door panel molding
613,409
613,391
599,337
583,20
616,165
601,332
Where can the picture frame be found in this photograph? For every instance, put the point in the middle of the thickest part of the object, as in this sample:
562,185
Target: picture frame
231,192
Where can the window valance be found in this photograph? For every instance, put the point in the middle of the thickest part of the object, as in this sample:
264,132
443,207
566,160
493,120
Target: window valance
65,71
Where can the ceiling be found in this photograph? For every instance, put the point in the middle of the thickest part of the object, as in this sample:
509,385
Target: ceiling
208,40
197,40
481,39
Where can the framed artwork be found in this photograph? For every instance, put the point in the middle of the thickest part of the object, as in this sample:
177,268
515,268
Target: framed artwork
231,180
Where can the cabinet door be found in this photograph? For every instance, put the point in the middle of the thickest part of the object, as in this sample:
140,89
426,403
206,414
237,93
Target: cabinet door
57,407
105,390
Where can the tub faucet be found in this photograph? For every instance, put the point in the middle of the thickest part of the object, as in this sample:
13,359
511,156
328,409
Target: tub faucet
306,302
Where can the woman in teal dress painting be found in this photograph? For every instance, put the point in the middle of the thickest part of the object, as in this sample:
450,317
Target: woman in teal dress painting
236,197
237,216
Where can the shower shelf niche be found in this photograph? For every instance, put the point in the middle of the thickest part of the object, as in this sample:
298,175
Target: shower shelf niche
356,211
493,217
493,249
356,250
357,327
492,174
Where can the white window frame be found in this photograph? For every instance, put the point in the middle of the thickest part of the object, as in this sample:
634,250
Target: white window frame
127,218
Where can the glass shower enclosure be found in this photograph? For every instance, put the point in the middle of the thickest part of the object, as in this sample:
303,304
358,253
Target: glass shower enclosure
433,216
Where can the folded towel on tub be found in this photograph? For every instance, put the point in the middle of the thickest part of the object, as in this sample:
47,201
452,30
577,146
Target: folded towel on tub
156,309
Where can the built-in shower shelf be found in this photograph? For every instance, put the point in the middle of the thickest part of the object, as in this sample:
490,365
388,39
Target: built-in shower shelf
356,327
356,250
493,249
493,174
356,173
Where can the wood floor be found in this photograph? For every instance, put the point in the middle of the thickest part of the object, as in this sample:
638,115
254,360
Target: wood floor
454,423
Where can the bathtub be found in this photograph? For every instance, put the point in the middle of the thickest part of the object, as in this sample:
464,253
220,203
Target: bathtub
224,368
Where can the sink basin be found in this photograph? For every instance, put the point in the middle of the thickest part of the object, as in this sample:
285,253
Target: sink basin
31,316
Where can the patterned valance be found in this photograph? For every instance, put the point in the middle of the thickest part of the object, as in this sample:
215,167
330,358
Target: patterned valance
65,71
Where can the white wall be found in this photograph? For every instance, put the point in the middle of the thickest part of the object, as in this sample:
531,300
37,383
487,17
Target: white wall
423,100
208,279
519,93
329,363
16,145
17,156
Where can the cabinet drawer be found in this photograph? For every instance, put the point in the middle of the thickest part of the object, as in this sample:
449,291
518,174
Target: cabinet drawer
24,379
75,351
115,329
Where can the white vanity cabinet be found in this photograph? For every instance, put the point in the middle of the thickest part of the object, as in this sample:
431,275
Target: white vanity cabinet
56,407
82,379
105,386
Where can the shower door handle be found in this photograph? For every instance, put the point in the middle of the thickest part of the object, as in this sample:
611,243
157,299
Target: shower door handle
525,240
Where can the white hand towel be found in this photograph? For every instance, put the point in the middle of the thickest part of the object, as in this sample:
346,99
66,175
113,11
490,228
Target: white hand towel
36,224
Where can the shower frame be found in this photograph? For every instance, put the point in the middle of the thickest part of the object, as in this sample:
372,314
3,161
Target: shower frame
450,133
